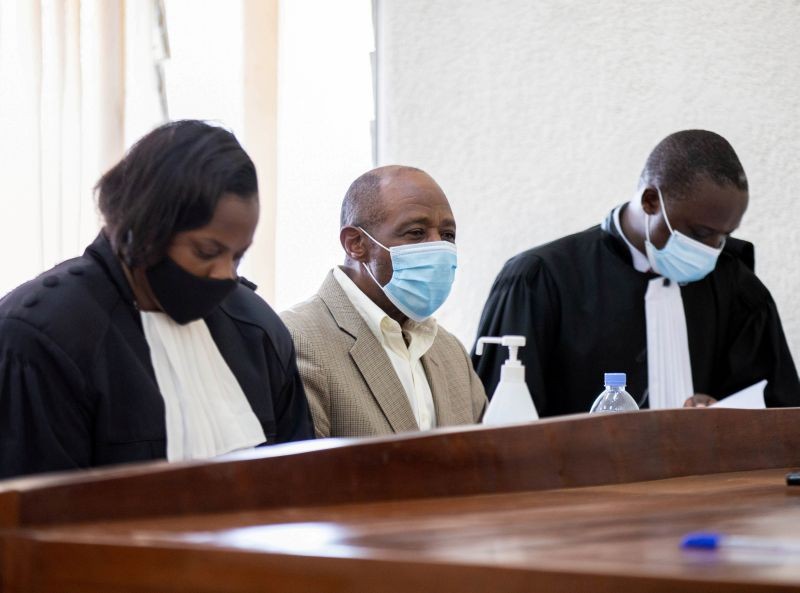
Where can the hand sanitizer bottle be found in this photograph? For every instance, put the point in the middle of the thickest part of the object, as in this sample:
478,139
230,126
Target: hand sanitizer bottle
614,398
511,401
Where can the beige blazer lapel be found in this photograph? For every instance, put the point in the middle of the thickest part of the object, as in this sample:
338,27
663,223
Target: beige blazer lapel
449,376
437,379
381,377
370,358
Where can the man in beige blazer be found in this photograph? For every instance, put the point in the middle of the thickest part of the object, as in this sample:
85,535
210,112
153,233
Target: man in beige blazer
372,359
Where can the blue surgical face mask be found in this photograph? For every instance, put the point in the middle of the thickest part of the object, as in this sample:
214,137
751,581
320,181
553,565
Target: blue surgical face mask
682,259
422,275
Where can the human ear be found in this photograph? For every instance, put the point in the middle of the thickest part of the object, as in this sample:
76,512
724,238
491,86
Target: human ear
650,202
352,241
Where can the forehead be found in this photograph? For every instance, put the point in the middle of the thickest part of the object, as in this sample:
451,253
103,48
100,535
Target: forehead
410,194
720,207
234,220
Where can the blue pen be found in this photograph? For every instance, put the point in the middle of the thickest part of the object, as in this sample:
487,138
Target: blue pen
717,541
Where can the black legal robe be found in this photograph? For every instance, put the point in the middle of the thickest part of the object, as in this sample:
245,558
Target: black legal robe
77,388
580,303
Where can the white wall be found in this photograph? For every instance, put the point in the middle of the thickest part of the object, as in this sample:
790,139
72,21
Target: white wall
536,117
204,74
325,110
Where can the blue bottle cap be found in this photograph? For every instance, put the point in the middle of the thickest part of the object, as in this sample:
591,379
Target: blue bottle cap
616,379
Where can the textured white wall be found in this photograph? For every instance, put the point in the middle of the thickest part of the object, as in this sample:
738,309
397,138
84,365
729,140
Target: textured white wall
536,117
325,110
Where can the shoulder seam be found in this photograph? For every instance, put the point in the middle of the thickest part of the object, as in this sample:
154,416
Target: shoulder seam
39,332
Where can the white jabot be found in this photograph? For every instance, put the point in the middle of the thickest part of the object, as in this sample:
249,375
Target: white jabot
207,413
669,368
406,359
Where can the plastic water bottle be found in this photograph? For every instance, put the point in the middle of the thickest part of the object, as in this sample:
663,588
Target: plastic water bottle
614,398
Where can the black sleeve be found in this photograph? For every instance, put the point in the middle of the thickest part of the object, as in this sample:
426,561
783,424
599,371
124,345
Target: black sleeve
744,251
758,350
45,420
522,301
292,413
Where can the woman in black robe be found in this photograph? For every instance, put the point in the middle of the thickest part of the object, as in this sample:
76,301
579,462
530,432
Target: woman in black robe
77,382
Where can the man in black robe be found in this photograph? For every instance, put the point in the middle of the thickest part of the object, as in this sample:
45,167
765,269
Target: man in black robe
580,300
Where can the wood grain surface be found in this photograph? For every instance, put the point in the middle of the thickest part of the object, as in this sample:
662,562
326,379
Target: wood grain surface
575,504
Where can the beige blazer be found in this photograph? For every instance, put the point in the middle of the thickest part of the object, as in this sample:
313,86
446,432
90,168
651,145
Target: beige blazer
353,389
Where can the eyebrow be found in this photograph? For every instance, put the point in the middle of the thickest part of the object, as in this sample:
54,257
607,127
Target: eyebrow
426,221
222,246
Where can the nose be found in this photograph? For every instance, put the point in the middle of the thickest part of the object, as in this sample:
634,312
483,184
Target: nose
224,269
434,235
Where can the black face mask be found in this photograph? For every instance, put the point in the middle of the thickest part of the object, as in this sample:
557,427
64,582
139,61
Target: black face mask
184,296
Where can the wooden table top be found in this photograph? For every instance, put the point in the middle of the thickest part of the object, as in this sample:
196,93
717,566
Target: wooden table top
606,538
569,505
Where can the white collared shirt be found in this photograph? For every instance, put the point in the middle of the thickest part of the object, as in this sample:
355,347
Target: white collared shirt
640,261
406,359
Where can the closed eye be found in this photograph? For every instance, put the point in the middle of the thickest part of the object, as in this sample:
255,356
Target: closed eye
703,232
206,254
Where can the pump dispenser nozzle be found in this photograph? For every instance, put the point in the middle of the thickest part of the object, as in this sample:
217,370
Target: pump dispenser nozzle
514,343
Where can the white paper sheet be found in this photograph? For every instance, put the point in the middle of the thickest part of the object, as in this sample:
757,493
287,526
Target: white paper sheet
749,398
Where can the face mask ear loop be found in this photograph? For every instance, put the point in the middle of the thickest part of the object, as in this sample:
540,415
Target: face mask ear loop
664,210
369,273
374,240
366,267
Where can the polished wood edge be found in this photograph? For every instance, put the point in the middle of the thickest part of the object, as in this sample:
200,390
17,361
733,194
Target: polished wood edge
9,509
581,450
65,567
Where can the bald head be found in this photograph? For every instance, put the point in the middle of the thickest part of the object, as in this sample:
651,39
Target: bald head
363,203
684,158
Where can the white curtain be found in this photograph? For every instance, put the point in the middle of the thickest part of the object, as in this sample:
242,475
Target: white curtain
78,83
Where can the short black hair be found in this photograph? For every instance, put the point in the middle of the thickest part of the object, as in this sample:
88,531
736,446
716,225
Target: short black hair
682,158
171,181
362,206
